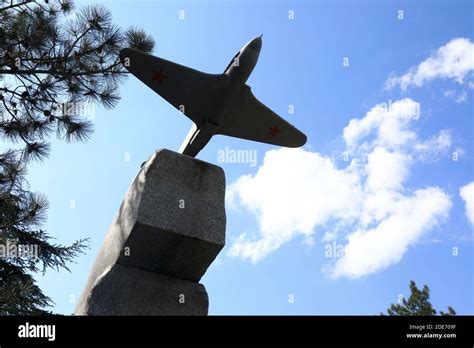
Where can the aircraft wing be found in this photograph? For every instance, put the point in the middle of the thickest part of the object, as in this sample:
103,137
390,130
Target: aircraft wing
252,120
181,86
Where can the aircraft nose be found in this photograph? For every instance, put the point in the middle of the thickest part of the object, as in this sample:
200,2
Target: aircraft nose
256,44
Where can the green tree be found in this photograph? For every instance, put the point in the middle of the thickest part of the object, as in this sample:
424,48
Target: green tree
53,61
417,304
21,215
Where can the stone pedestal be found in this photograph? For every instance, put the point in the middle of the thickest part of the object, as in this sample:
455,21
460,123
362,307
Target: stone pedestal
168,230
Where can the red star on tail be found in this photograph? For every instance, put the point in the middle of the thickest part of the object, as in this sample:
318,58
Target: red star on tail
158,76
274,131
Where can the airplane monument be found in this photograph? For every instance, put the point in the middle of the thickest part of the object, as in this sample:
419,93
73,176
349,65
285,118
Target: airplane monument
171,224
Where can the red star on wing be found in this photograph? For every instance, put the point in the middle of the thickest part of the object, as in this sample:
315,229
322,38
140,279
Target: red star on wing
273,131
159,76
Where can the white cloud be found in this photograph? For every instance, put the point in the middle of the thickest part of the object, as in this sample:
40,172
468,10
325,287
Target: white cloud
386,170
292,192
434,147
388,126
467,194
364,204
459,98
455,60
368,251
459,152
389,122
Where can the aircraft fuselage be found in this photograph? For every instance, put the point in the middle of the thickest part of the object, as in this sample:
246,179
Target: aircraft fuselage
238,71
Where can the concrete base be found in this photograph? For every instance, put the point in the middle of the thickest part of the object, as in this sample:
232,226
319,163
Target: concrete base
169,229
123,290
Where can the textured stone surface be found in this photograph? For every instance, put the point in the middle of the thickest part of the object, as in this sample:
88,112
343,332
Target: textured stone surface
167,238
123,290
152,231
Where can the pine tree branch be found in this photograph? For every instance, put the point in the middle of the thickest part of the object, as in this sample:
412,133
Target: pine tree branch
15,5
78,38
16,119
73,62
61,73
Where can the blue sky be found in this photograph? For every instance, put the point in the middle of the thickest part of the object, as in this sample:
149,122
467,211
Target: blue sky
395,203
